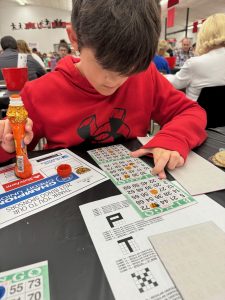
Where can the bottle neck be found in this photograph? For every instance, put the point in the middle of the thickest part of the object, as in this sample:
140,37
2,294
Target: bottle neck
15,101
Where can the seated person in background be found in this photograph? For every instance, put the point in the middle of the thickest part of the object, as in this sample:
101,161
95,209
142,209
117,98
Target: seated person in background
34,62
36,55
46,60
170,50
9,58
183,53
63,49
112,91
208,68
159,60
8,53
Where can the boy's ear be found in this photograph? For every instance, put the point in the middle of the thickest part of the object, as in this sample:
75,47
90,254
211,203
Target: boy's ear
72,37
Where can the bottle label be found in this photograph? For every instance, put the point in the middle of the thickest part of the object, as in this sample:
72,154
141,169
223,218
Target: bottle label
20,163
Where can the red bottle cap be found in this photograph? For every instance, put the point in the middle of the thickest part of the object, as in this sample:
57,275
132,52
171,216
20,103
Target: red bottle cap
64,170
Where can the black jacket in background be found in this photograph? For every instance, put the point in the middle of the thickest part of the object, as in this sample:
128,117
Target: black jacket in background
9,57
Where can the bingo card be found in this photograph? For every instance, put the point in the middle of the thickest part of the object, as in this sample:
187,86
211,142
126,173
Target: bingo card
148,194
25,283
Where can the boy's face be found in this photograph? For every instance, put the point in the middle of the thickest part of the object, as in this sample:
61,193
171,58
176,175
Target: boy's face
104,81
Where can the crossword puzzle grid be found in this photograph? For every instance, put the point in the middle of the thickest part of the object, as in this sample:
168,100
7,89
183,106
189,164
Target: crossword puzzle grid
144,280
133,246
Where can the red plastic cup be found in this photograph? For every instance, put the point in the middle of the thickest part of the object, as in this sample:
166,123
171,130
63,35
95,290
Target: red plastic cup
15,78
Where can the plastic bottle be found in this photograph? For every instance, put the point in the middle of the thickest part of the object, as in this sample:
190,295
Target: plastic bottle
17,116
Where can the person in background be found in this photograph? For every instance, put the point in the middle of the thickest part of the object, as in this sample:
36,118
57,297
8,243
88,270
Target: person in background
9,58
170,50
46,60
35,51
183,53
162,48
37,56
112,91
159,60
9,51
63,49
208,67
34,66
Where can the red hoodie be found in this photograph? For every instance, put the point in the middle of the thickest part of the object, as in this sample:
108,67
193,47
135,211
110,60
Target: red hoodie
68,111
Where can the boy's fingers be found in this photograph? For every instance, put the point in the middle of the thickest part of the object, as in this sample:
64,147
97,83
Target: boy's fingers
8,137
2,126
29,133
159,165
28,137
29,125
7,132
140,152
162,175
180,162
7,127
174,160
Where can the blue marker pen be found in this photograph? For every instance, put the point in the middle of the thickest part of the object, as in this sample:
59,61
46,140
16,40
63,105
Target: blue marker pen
2,291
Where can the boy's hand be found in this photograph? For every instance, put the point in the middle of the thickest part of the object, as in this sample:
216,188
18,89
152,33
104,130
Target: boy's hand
6,136
162,158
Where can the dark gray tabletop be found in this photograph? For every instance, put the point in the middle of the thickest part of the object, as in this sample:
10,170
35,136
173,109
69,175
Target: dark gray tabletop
4,98
59,235
2,84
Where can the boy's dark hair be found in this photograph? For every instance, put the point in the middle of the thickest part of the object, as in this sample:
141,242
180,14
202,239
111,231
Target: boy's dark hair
34,50
8,42
123,33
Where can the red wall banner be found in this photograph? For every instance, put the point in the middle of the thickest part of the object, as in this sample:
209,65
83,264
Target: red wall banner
172,3
171,17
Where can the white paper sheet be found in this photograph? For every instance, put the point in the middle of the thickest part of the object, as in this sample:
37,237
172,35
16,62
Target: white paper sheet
20,198
120,237
197,176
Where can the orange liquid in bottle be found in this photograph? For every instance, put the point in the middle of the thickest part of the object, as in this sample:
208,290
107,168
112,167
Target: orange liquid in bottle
17,116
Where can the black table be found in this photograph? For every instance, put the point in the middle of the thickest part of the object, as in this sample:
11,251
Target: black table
2,84
4,100
59,235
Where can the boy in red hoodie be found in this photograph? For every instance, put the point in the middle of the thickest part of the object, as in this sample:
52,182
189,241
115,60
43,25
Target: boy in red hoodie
113,91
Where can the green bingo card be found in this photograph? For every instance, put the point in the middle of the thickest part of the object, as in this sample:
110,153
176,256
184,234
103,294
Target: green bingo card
149,195
25,283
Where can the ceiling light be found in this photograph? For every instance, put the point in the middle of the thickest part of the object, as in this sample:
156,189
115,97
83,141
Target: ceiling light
162,2
22,2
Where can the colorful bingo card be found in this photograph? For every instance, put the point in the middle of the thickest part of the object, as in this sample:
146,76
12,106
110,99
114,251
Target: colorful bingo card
148,194
25,283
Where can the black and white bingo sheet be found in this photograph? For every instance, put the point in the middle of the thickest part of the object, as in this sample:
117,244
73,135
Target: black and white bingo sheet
122,240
